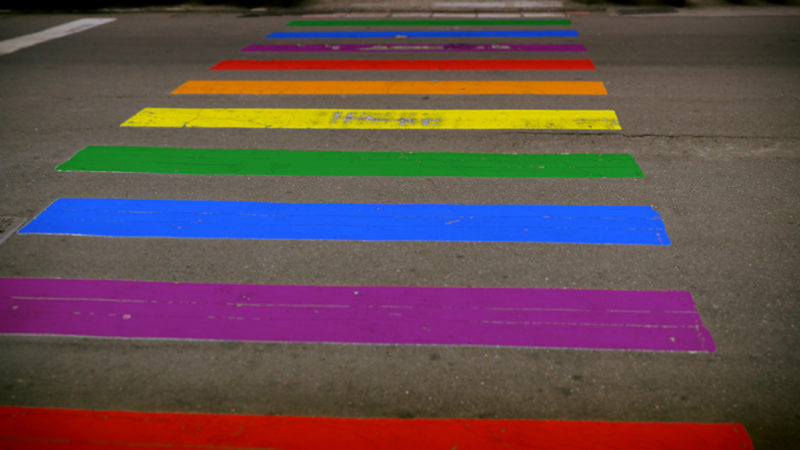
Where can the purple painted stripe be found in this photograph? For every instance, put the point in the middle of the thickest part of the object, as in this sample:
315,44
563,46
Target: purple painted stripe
384,48
594,319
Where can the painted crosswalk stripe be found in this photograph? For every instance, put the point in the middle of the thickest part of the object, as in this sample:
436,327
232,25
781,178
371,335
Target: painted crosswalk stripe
466,5
573,224
428,22
261,87
29,40
349,163
405,64
402,315
29,428
376,119
420,34
388,48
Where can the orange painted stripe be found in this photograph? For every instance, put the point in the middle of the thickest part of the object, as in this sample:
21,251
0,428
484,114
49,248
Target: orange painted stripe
393,87
34,428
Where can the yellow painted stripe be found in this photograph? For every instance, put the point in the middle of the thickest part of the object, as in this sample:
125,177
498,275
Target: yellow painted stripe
380,119
393,87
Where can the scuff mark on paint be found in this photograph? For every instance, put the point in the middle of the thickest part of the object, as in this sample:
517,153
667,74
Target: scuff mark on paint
367,117
403,48
349,117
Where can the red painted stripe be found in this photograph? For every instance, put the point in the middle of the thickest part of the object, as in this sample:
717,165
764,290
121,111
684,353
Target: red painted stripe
397,64
33,428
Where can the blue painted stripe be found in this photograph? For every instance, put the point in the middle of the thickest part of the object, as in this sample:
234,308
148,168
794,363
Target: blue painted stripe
350,221
422,34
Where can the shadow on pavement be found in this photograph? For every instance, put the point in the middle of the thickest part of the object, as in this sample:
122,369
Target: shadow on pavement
286,5
83,5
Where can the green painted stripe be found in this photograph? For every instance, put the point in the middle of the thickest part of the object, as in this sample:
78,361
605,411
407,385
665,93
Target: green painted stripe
414,23
337,163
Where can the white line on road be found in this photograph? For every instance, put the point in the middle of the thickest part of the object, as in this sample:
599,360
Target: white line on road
511,4
76,26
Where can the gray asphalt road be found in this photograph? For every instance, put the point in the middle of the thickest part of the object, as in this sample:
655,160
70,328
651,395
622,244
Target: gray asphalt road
709,108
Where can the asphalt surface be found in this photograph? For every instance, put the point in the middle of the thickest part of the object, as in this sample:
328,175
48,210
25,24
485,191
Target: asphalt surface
709,107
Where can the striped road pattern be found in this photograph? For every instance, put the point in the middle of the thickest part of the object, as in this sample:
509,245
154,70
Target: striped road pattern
573,319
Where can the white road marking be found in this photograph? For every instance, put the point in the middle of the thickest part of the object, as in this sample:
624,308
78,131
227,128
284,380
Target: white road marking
510,4
28,40
542,15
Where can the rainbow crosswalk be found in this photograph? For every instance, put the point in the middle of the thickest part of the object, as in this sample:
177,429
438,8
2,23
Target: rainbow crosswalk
398,315
209,219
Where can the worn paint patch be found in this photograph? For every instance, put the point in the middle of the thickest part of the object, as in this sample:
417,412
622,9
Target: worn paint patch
414,48
29,428
9,225
412,64
427,23
261,87
350,163
558,318
576,224
376,119
491,5
401,34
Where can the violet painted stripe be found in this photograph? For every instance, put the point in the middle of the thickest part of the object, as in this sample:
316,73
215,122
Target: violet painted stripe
591,319
385,48
403,34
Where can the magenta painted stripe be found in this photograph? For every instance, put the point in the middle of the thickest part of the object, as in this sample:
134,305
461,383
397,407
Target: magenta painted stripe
592,319
413,48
